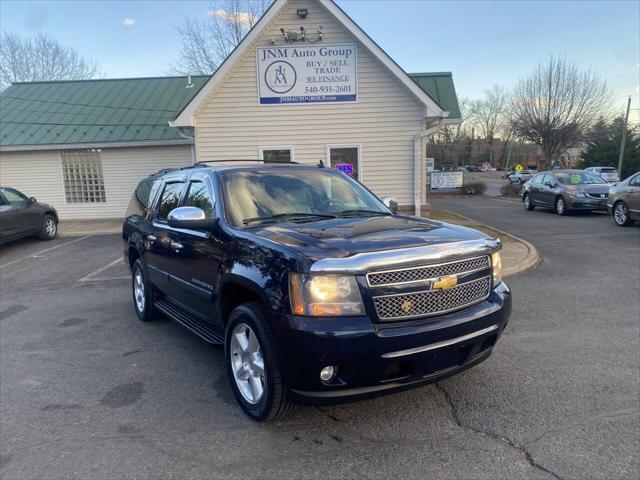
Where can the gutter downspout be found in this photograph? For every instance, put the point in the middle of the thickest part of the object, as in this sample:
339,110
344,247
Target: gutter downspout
193,147
418,149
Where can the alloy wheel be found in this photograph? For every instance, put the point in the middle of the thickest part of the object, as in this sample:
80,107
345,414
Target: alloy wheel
138,290
50,227
247,363
620,214
560,206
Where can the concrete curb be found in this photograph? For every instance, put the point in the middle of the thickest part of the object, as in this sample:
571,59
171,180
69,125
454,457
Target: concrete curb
532,259
90,233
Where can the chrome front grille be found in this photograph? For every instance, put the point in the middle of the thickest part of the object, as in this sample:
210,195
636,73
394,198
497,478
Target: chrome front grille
420,274
599,196
432,302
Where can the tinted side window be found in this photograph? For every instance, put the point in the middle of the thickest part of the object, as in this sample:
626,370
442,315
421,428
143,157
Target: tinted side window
635,181
538,179
14,197
200,197
169,200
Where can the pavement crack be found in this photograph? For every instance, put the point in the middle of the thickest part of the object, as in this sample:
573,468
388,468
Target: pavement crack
521,448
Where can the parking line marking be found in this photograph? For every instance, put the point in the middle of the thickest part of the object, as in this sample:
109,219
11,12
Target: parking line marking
87,278
46,250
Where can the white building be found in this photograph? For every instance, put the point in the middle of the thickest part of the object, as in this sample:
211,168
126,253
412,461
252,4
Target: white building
335,96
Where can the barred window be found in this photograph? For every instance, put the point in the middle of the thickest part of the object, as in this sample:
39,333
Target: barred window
82,174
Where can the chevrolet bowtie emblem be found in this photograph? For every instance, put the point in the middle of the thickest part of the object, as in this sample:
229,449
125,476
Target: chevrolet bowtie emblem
445,283
406,306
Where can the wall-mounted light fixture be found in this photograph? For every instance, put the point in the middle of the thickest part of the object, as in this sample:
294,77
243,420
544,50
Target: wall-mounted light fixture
292,36
302,13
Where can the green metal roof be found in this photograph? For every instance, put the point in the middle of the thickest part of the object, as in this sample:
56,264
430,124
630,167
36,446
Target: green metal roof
439,86
93,111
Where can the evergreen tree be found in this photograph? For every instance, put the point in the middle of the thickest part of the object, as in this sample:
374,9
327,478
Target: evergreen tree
603,148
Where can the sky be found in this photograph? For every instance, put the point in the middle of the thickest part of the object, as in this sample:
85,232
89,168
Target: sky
482,42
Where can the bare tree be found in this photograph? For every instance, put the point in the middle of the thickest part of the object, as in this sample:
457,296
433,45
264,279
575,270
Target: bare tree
490,118
556,105
41,58
206,43
451,145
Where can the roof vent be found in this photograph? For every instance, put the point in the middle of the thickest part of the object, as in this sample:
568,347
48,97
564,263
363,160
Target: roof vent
189,83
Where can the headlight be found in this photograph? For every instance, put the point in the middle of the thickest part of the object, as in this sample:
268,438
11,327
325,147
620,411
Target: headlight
324,295
576,194
496,263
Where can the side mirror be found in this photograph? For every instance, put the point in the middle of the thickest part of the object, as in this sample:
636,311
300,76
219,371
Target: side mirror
33,200
390,202
192,218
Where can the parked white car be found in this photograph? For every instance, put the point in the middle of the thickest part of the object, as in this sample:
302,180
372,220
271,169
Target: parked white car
608,174
519,177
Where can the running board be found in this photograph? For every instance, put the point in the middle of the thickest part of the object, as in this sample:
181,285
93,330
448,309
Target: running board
209,333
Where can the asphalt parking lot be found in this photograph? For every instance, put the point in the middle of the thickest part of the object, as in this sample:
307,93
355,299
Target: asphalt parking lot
88,391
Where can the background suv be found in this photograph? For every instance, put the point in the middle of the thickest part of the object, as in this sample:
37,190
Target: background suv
609,174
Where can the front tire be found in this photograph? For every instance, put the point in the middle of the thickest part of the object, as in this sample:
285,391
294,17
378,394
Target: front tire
528,203
561,206
142,293
621,215
49,228
253,364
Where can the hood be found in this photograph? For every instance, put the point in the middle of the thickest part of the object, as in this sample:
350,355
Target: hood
342,237
590,189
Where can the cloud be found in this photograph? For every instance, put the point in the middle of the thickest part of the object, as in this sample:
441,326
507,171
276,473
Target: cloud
244,19
128,21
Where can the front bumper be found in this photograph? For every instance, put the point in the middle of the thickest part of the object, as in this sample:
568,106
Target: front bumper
374,359
575,203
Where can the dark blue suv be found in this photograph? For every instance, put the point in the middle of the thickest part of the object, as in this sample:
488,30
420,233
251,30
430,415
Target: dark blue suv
318,291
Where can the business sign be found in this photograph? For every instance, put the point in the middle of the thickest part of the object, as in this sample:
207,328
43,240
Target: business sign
431,165
307,74
345,168
446,180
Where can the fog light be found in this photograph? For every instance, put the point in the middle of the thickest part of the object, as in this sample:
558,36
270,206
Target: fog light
327,373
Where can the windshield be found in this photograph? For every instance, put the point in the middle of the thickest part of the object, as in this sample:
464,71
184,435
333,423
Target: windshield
578,178
294,194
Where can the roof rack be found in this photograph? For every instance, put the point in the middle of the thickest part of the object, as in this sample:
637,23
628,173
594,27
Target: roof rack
254,160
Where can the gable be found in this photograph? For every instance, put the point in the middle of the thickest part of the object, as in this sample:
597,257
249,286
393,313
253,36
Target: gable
337,28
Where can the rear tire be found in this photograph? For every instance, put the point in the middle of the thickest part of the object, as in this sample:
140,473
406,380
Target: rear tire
621,215
253,364
142,293
528,203
561,206
49,228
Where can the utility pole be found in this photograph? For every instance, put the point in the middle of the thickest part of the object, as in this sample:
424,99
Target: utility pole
624,138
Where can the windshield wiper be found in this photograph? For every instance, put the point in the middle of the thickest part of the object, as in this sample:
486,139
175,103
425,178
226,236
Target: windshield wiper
300,216
362,211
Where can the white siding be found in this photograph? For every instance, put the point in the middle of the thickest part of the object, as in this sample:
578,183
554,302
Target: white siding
39,174
231,124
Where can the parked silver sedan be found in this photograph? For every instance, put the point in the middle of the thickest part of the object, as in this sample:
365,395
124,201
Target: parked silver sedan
624,201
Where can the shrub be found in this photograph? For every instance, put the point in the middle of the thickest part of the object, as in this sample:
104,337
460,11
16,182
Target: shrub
511,190
474,188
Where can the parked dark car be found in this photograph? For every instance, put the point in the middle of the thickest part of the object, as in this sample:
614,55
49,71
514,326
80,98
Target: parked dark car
21,216
566,190
623,203
318,291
